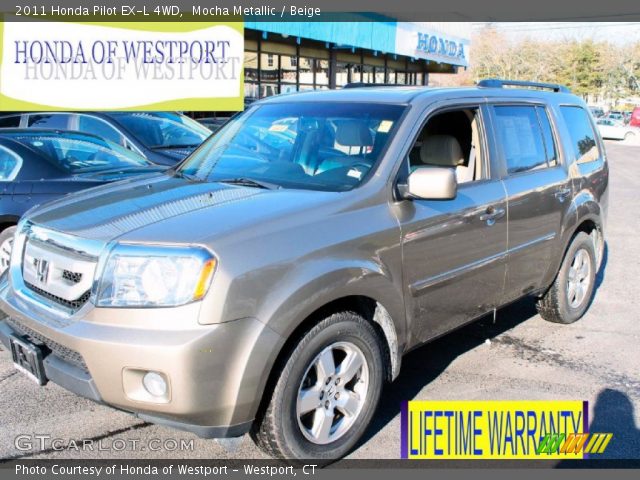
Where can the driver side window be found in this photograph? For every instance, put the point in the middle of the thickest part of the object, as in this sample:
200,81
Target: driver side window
451,139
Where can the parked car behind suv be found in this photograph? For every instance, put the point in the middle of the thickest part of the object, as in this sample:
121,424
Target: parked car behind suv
37,166
275,290
635,118
616,130
164,138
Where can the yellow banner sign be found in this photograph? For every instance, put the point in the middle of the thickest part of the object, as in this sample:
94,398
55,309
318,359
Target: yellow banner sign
492,429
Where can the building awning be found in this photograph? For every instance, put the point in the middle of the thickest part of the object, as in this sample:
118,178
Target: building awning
415,40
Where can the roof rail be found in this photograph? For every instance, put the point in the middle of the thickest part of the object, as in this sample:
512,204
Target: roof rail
499,83
365,85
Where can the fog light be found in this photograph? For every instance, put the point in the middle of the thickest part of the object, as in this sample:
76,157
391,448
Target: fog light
155,384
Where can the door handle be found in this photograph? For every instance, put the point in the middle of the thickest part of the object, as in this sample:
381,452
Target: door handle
491,215
562,194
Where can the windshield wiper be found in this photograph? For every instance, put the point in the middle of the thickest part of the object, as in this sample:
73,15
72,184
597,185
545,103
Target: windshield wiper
162,147
187,176
249,182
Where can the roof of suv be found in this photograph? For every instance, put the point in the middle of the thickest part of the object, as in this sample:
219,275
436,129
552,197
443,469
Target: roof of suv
408,94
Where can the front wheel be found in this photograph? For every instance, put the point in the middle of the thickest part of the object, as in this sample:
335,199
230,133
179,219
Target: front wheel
326,393
570,295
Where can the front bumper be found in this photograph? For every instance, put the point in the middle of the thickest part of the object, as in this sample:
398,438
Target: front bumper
216,373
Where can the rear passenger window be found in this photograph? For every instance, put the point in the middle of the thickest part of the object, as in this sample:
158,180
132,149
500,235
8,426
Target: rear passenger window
521,138
54,120
582,136
10,164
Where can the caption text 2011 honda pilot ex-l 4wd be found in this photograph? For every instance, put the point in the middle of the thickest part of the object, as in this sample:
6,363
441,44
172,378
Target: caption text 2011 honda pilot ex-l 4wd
272,282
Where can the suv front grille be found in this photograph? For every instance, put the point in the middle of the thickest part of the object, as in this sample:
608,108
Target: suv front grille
70,304
66,354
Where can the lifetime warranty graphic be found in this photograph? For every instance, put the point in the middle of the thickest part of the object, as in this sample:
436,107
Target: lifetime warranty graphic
134,66
498,430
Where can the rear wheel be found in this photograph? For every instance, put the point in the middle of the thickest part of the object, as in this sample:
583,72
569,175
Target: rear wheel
6,243
326,393
629,136
570,295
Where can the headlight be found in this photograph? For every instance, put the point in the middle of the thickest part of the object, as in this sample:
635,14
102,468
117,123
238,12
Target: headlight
141,276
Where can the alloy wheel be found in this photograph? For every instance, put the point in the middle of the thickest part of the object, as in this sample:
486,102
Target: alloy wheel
5,254
578,278
332,393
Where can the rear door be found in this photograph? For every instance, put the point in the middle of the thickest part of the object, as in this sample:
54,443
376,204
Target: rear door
538,189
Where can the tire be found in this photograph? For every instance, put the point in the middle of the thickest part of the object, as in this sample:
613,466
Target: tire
282,432
6,242
629,136
570,294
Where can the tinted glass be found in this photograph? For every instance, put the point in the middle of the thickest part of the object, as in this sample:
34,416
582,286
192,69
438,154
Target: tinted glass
163,129
9,164
320,146
77,153
99,127
10,122
547,132
520,137
53,120
582,136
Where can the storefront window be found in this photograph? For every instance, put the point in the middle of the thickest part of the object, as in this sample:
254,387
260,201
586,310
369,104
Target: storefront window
367,74
251,90
379,75
288,69
268,89
401,78
250,66
342,74
268,67
391,75
322,72
306,70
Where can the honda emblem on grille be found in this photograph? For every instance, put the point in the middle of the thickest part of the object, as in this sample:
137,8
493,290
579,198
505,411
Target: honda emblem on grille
42,270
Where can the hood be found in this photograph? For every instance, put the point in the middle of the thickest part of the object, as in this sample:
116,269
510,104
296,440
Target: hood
166,209
74,183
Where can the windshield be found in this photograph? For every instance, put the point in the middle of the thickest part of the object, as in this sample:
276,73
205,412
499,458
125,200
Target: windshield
79,153
163,129
320,146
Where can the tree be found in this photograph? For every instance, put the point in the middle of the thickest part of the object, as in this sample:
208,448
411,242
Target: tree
588,68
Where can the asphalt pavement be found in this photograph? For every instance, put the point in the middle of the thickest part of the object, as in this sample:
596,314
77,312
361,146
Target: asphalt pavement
520,357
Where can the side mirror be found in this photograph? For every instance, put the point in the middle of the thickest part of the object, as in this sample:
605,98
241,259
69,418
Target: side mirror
430,183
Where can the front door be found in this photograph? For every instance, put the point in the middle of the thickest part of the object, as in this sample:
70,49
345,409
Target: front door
454,250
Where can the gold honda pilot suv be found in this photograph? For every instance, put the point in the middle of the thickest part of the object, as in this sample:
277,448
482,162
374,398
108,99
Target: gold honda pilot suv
272,282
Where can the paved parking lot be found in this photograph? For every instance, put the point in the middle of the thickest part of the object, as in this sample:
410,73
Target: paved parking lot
519,357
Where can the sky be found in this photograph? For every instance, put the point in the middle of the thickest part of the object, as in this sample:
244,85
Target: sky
615,32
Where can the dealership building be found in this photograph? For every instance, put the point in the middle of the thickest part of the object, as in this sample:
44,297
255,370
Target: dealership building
284,57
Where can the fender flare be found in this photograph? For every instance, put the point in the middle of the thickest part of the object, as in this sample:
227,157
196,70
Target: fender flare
584,208
285,311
